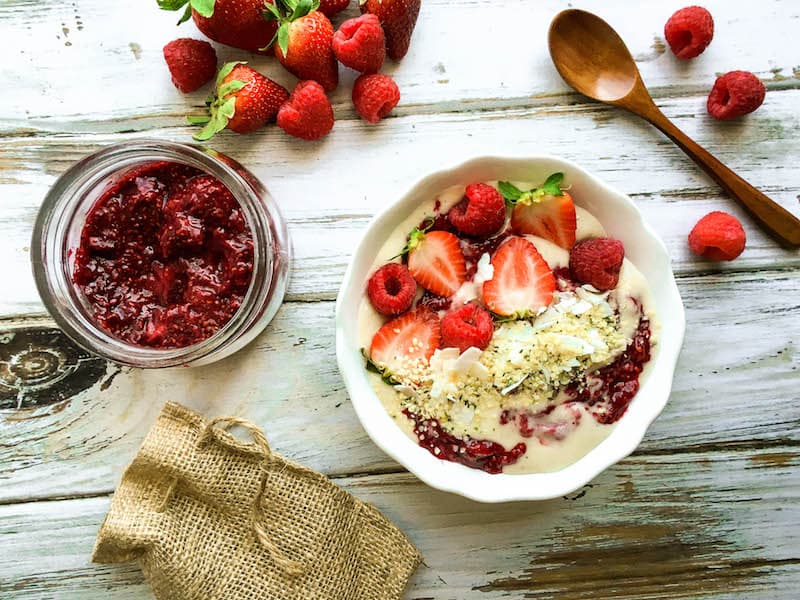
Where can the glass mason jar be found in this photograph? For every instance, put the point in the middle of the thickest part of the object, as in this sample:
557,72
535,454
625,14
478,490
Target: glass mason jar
57,235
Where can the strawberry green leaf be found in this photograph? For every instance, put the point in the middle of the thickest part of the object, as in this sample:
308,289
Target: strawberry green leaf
187,14
416,236
225,70
302,8
204,8
283,38
552,184
271,12
509,191
372,367
230,88
171,4
198,119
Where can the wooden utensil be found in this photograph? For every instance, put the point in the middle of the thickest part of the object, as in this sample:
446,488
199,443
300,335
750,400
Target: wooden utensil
593,59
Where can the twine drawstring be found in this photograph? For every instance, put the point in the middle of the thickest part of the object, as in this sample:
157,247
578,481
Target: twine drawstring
291,567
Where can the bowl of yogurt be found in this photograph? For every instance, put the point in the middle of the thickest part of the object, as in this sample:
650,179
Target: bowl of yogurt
509,328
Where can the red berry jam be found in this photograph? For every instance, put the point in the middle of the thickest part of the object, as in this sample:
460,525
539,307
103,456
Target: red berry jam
609,391
477,454
165,256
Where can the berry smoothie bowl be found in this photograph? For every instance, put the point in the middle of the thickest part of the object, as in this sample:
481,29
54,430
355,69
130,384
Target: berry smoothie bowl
155,254
509,328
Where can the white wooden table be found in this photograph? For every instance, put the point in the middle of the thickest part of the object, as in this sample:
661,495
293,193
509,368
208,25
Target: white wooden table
708,505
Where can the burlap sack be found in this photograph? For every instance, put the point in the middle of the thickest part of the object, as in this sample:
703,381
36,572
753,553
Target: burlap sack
211,517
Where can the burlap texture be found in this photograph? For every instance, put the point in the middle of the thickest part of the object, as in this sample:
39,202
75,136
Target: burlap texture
211,517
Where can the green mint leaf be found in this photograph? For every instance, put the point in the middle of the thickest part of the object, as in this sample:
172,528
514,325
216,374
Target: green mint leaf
171,4
230,88
509,191
204,8
552,184
283,38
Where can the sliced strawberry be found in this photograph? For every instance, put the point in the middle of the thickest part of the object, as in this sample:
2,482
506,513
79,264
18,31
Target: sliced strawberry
406,342
436,262
546,211
522,281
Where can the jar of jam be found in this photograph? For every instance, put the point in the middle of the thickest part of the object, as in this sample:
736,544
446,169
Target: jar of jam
156,254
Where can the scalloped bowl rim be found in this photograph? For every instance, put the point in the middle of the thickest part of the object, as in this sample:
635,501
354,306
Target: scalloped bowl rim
645,249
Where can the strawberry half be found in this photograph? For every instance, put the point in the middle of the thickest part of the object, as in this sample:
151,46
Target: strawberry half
546,211
522,282
406,342
435,261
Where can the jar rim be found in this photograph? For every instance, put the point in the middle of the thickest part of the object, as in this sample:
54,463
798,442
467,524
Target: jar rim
52,261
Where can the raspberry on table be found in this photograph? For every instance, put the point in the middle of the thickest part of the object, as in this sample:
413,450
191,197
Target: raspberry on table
191,63
360,44
718,236
308,113
391,289
735,94
597,261
481,213
689,31
467,326
374,96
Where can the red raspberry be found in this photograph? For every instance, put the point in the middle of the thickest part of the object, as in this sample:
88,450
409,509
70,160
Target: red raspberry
597,261
467,326
481,213
735,94
360,44
192,63
307,113
717,236
391,289
689,31
374,96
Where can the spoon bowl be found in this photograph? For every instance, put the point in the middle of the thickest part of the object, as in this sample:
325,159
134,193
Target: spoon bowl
601,66
592,58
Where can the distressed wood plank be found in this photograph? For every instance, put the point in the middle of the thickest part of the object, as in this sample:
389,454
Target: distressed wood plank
735,387
325,194
722,527
92,42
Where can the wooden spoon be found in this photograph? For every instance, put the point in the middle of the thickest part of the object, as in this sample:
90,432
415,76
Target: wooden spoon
593,59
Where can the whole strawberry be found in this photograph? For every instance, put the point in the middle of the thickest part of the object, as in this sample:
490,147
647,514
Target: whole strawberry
374,96
243,101
304,41
332,7
308,113
735,94
237,23
398,18
191,63
360,44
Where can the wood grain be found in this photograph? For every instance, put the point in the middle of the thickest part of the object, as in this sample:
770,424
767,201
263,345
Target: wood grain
708,505
651,526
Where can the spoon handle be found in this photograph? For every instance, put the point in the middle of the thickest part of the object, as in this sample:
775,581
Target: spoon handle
775,219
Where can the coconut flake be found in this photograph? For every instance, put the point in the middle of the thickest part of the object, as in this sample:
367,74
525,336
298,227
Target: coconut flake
510,388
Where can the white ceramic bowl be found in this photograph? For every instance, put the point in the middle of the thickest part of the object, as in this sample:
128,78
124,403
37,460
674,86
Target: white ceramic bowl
622,220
